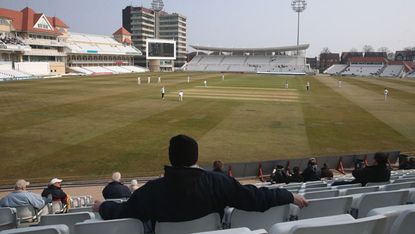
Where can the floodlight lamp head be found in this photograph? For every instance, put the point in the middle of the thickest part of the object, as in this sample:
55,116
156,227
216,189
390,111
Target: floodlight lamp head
299,5
157,5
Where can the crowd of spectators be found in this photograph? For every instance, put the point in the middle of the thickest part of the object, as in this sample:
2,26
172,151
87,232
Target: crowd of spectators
11,40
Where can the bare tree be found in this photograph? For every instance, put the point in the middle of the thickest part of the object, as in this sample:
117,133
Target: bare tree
325,50
384,49
368,48
353,50
409,48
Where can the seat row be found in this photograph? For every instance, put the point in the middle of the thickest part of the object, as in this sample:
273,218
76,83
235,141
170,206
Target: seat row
387,220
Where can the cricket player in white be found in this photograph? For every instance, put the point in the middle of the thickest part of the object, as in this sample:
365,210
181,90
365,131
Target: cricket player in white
205,82
286,84
148,80
188,79
386,93
340,83
159,80
308,85
139,80
223,77
163,91
181,95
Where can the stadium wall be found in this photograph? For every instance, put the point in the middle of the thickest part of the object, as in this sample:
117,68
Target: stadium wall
34,68
57,68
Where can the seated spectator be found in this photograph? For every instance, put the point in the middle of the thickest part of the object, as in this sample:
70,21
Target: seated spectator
379,172
187,192
21,197
133,185
296,177
115,189
325,172
409,164
218,166
312,172
54,189
279,175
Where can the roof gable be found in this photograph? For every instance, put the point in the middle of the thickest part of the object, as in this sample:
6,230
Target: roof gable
122,31
42,22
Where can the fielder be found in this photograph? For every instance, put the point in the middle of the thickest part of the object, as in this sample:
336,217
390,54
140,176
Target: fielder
181,95
148,80
286,84
139,80
223,77
205,83
308,86
163,91
340,83
386,93
159,80
188,79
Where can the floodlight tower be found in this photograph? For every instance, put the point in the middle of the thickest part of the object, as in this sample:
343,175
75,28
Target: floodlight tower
298,6
157,6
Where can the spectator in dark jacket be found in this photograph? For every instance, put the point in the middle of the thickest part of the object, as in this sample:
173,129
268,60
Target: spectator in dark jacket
312,172
187,192
409,164
115,189
379,172
296,176
54,189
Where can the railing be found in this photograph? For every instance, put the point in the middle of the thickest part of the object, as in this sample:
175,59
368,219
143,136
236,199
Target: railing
55,43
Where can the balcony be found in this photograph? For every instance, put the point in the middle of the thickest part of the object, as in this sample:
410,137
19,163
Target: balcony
44,42
44,52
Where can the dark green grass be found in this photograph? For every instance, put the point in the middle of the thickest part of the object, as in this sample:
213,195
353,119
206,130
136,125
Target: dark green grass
85,128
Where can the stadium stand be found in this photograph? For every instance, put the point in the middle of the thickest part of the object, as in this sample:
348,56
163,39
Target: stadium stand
259,220
68,219
249,60
322,207
362,70
392,71
391,213
335,69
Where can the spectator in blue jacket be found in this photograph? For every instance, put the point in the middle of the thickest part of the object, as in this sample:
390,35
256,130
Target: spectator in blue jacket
21,197
115,189
187,192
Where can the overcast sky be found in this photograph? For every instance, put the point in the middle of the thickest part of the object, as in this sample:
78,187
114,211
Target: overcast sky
339,25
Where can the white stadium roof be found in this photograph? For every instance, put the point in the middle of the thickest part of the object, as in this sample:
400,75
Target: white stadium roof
252,50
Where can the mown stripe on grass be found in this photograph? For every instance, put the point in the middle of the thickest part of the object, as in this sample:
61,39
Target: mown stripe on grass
334,123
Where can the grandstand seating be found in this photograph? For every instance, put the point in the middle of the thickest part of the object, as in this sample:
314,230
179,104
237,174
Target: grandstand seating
392,71
253,63
335,69
258,220
322,207
110,227
362,204
117,69
13,74
210,222
50,229
81,70
235,231
340,224
350,191
135,68
411,75
404,223
98,70
8,218
362,70
391,213
321,194
69,219
397,186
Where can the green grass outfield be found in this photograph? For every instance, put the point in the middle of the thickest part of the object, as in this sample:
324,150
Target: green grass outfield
86,128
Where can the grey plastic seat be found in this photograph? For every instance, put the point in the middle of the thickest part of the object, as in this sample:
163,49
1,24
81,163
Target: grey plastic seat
69,219
235,231
322,207
404,224
351,191
50,229
363,204
332,224
80,209
346,186
26,214
317,189
133,226
8,218
377,183
397,186
391,213
321,194
259,220
210,222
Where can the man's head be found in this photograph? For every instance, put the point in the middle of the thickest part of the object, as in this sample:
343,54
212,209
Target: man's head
183,151
218,164
56,182
381,158
312,162
116,176
21,185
